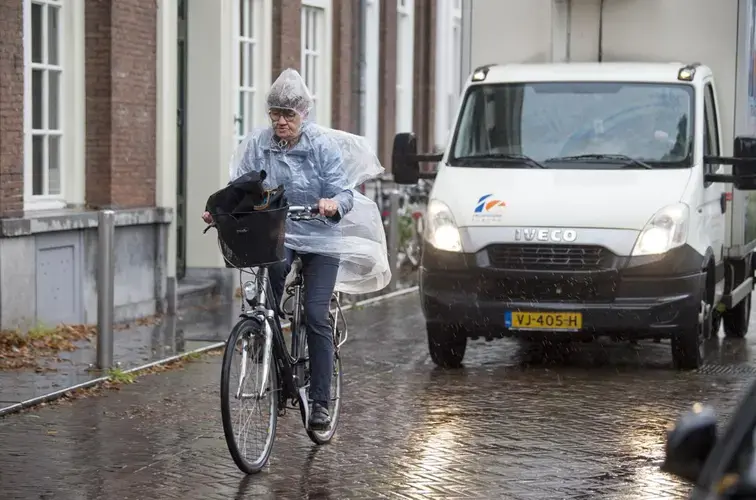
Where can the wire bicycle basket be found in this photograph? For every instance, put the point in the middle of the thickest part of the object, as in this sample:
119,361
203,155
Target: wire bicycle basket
252,239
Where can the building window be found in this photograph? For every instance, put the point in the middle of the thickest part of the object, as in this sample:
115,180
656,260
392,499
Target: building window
405,48
46,82
53,103
316,56
252,19
448,67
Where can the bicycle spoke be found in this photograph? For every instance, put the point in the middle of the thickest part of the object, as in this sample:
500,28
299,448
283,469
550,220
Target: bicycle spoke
266,360
243,378
246,417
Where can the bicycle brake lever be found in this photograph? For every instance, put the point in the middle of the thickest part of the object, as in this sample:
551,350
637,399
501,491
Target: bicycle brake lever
208,228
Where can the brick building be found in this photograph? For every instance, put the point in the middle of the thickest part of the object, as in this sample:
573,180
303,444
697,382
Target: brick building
137,106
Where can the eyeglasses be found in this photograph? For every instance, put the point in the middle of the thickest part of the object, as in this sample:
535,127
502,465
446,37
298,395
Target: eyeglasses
276,114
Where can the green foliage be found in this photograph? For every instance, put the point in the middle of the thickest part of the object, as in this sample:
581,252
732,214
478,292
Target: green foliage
406,230
121,377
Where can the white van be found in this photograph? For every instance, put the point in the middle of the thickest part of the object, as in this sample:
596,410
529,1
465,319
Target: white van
579,200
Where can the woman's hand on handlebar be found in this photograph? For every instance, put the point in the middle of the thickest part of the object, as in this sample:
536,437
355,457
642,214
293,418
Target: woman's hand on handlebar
328,207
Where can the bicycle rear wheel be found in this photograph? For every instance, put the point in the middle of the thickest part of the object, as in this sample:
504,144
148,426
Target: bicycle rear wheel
324,437
246,345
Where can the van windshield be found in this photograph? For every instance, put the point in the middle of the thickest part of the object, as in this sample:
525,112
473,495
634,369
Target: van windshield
575,125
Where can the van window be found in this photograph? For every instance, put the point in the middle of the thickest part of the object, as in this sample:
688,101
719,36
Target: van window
711,130
545,121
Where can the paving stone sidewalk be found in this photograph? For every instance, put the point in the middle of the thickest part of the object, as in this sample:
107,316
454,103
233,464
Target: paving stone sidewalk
134,346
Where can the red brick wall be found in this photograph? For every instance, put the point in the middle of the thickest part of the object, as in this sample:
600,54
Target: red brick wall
425,75
387,84
286,35
11,108
345,49
121,79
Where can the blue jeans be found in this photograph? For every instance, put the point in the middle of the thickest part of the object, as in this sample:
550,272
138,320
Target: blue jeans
319,274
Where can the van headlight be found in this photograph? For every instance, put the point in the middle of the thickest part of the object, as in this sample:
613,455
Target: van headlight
666,230
440,229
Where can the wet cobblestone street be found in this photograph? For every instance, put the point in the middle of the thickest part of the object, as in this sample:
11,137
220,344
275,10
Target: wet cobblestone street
518,422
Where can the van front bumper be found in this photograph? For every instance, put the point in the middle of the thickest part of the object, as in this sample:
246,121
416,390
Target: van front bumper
638,297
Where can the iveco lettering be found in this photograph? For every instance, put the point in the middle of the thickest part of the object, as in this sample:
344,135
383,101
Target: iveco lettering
534,234
593,199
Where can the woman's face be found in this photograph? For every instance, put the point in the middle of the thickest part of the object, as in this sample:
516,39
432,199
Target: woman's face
286,123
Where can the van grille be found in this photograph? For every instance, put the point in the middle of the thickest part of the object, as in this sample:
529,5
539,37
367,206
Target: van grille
538,257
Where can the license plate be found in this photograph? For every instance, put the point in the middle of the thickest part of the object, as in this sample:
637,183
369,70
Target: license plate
543,321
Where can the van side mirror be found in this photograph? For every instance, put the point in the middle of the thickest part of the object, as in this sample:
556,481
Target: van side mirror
745,173
690,442
404,162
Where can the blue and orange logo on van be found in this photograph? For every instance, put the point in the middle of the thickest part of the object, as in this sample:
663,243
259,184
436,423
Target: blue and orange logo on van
487,204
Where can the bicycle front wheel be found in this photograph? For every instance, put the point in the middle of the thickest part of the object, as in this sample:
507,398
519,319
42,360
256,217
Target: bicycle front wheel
249,419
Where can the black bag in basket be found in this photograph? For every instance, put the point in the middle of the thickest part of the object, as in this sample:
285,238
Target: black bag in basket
250,221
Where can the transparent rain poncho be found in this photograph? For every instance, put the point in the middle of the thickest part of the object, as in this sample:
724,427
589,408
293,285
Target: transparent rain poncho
323,163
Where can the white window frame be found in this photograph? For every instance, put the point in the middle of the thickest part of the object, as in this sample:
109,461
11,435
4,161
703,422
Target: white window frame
371,71
405,50
71,111
448,67
253,44
323,83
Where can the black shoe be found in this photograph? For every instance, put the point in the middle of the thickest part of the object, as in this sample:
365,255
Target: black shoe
319,418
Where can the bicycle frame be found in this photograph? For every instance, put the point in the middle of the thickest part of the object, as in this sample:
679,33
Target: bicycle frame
290,366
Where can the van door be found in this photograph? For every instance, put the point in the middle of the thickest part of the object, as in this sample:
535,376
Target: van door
712,208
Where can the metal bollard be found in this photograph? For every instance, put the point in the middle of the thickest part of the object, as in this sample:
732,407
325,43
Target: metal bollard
393,236
105,288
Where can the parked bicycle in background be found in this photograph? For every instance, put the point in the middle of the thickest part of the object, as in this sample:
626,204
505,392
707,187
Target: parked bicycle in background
410,215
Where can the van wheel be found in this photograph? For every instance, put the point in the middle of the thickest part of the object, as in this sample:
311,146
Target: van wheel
736,319
686,344
686,350
446,345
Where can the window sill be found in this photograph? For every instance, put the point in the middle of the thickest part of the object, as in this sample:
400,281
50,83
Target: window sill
41,203
69,219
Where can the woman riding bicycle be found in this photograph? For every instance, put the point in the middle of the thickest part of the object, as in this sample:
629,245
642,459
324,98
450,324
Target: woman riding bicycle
308,164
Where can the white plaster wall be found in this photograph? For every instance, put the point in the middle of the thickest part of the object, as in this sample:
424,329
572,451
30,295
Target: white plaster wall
210,120
166,121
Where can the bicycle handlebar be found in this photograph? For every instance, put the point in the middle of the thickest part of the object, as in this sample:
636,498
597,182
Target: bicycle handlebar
300,212
304,209
295,212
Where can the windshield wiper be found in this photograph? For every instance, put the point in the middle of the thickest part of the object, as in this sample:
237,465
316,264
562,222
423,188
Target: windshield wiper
504,157
629,161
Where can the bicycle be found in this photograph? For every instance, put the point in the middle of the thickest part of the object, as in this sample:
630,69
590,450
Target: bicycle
284,373
410,217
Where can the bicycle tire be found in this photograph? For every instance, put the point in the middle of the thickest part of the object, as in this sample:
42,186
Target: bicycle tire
242,327
325,437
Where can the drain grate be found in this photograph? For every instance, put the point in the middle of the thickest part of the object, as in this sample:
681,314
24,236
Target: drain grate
715,369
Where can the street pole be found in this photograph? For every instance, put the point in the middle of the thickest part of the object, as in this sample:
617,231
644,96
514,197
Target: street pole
393,236
105,288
